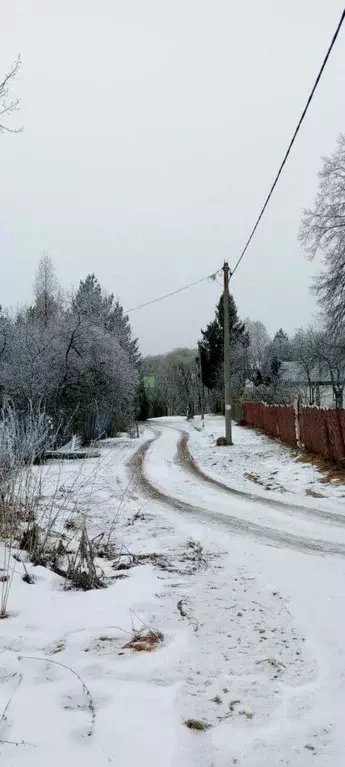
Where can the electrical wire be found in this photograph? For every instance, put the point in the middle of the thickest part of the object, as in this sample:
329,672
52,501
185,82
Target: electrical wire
336,33
297,129
212,276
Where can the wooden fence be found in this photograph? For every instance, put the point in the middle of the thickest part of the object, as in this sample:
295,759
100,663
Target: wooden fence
318,430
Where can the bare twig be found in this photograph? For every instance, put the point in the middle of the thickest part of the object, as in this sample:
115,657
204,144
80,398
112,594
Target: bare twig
277,664
3,715
18,743
8,106
118,511
97,628
87,693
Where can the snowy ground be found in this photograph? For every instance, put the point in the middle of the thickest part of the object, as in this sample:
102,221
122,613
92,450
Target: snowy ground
258,464
253,624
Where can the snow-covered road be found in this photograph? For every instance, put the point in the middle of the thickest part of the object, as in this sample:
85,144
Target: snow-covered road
249,597
168,471
306,721
312,586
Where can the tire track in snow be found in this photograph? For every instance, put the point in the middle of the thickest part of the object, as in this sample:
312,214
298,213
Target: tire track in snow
188,462
269,535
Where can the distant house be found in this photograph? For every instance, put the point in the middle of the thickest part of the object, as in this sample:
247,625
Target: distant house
315,389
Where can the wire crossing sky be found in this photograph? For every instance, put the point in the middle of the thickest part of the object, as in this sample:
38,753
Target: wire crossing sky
147,145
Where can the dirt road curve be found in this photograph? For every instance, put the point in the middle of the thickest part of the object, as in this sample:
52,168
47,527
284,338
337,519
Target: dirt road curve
188,462
268,534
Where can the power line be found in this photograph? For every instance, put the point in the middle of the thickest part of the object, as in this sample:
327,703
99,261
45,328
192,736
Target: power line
173,292
299,124
336,33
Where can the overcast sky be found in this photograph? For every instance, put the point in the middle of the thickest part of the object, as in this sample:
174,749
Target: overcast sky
152,132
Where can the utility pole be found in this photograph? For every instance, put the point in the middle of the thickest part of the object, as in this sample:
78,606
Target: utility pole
201,385
227,362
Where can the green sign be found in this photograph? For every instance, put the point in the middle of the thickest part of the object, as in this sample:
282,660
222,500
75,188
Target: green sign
149,382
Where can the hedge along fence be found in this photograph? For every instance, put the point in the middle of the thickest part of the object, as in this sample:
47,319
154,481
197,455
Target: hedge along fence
318,430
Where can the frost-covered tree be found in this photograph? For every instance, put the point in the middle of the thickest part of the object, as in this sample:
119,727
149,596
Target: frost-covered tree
173,382
98,376
90,303
304,353
322,233
7,104
277,351
280,347
117,323
329,360
33,360
68,358
4,332
259,342
46,291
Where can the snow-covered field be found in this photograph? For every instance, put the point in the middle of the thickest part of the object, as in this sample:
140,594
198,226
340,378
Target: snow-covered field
251,627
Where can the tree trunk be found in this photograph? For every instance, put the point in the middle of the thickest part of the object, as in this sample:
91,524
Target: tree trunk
338,398
190,410
311,393
317,395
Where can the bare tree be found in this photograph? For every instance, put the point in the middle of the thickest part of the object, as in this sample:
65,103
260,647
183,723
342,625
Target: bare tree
46,289
330,360
8,105
176,384
323,232
4,332
322,360
187,375
304,353
258,343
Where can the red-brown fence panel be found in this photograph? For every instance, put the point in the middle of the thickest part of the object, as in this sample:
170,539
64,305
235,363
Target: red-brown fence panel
320,433
287,426
314,432
321,430
252,414
335,435
341,415
271,424
305,428
276,420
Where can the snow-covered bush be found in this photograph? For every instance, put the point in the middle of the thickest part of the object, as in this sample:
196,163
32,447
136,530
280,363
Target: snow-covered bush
24,436
76,356
278,393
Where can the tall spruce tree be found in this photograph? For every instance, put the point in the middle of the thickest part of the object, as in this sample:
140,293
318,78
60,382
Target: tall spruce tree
88,301
212,342
91,304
